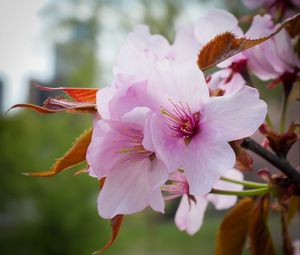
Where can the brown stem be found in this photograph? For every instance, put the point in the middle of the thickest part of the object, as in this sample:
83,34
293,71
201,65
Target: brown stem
281,163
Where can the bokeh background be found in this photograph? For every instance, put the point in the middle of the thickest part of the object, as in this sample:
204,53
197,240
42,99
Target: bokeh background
74,43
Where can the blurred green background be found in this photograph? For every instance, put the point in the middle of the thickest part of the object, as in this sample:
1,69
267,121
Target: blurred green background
58,215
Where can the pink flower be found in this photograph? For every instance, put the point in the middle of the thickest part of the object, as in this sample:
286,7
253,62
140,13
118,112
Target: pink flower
215,22
190,212
190,130
191,38
226,80
273,58
125,93
140,52
157,117
133,174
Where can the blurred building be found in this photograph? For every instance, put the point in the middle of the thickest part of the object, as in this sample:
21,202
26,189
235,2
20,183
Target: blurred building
74,50
1,95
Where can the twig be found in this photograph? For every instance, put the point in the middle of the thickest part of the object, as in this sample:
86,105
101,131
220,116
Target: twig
281,163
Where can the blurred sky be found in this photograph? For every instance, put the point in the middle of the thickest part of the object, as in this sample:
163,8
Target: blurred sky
26,48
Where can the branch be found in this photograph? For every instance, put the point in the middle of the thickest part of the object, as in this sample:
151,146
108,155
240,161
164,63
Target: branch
280,163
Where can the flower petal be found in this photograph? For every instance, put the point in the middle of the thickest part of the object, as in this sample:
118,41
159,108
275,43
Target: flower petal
222,201
203,160
140,52
233,116
185,39
131,188
104,96
216,21
169,82
189,215
127,98
102,154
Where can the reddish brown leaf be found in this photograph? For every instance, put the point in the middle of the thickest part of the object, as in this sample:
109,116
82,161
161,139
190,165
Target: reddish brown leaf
243,160
232,233
78,94
55,105
116,223
36,108
292,25
222,47
101,182
288,248
61,104
75,155
259,234
293,208
227,44
81,171
281,143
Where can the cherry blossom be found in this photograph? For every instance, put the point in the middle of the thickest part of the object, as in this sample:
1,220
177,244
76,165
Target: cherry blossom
140,52
191,210
133,174
190,130
194,37
273,58
224,81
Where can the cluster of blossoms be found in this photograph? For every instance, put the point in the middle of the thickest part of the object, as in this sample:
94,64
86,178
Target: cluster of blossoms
161,128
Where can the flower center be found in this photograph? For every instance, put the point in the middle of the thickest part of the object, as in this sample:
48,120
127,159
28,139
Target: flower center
133,147
182,121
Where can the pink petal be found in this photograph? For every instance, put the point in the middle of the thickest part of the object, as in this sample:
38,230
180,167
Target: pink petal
203,160
132,188
189,216
222,201
136,117
185,39
104,96
140,52
263,60
167,147
91,172
233,116
102,154
259,65
127,98
285,50
169,83
218,80
216,21
261,26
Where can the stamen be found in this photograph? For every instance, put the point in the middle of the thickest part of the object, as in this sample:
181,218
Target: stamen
182,122
132,145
